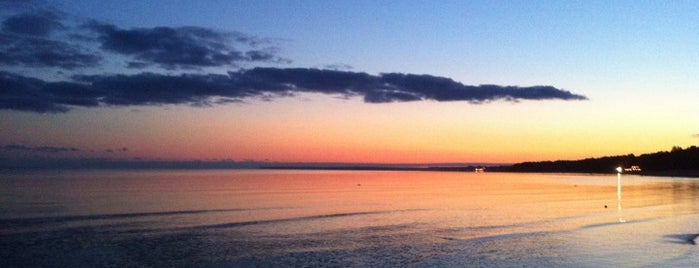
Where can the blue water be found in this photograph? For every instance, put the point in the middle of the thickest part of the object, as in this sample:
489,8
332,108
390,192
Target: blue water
254,218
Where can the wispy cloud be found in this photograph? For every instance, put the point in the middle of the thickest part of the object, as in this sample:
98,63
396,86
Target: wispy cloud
38,149
118,150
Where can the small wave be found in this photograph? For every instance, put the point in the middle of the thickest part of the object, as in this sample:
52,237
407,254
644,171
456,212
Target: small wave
64,219
605,224
314,217
504,236
304,218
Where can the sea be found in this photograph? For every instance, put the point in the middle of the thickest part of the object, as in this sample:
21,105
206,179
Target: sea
311,218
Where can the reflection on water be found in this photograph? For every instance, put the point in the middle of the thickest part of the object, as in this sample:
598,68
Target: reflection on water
618,196
341,218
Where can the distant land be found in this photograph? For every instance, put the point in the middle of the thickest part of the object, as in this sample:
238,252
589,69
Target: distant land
680,162
676,162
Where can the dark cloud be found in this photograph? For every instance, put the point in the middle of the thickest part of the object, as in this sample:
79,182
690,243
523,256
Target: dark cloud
29,94
39,149
151,88
15,147
43,39
388,87
136,65
118,150
445,89
181,47
38,23
52,149
33,51
25,40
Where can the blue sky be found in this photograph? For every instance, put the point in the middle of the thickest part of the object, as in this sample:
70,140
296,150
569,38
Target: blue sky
634,61
503,42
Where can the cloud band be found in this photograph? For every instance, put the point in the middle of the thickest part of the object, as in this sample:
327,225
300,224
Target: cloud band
35,95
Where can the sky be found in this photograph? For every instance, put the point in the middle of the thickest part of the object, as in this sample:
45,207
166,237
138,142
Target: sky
347,81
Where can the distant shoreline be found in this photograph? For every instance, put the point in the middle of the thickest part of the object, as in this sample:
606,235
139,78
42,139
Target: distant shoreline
364,167
503,169
678,162
374,168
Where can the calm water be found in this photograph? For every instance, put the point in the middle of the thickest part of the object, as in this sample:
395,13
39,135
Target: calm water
345,218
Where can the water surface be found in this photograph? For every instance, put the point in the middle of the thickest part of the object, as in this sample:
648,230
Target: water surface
345,218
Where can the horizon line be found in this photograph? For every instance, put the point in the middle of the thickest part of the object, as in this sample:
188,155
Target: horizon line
103,163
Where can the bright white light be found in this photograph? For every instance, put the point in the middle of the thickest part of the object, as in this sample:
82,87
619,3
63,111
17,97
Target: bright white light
618,169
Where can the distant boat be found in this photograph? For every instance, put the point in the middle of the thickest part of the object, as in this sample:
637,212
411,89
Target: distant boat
480,169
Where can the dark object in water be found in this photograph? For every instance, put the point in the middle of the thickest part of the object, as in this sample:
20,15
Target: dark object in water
683,238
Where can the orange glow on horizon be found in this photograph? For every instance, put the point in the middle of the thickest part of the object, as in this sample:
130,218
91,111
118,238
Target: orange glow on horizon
313,128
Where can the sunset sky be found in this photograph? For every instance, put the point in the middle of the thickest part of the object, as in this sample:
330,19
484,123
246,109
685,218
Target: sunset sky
347,81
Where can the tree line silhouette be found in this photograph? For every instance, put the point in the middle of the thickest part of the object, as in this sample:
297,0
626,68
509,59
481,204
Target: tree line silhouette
678,161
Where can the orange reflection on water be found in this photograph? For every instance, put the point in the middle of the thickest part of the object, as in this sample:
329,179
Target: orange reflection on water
434,218
524,202
458,205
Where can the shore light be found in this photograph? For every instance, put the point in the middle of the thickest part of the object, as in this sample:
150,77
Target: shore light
619,169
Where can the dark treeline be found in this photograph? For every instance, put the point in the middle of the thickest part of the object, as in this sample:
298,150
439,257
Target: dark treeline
678,161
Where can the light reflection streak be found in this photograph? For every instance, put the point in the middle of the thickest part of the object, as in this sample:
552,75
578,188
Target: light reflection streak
618,196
